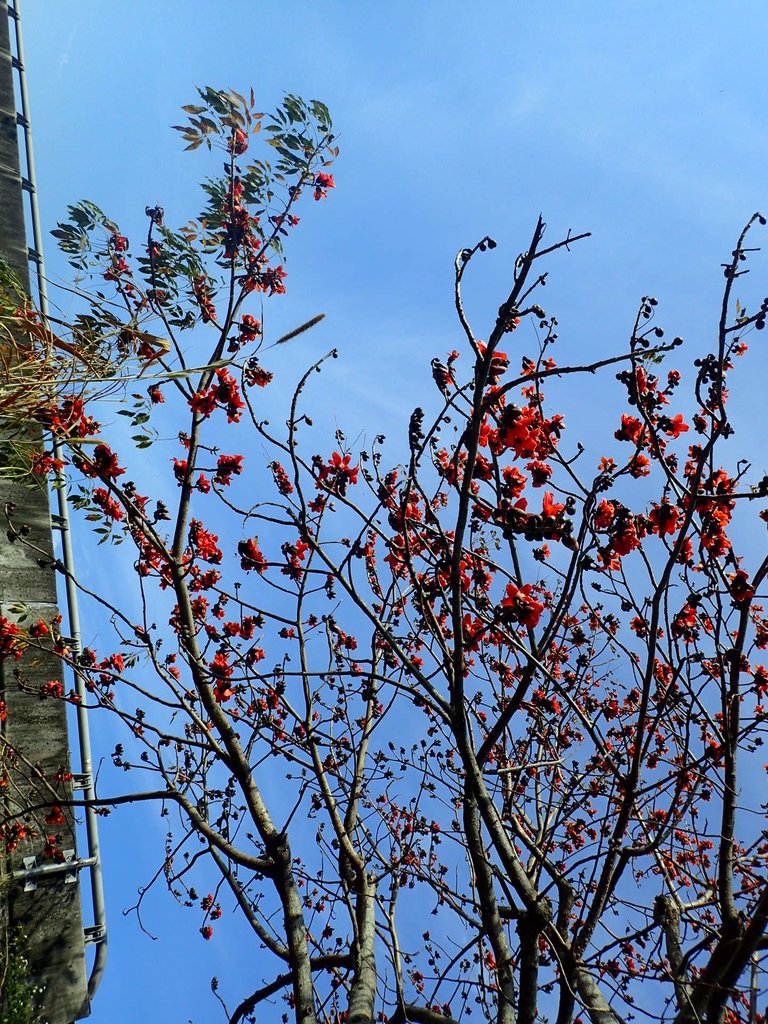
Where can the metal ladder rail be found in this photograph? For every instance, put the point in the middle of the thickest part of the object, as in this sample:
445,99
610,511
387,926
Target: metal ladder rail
97,933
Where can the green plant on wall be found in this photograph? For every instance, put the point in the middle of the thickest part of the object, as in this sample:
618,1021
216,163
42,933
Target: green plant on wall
17,993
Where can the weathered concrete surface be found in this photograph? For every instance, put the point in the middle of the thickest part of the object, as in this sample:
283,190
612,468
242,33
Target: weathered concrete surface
36,728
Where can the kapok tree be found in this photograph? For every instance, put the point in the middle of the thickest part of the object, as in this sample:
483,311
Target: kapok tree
476,734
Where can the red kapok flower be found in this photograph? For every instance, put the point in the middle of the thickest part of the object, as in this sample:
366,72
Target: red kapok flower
741,591
104,464
519,604
112,509
44,463
239,142
631,429
322,183
55,816
663,519
625,539
337,473
250,557
250,327
226,467
540,473
12,640
604,514
675,426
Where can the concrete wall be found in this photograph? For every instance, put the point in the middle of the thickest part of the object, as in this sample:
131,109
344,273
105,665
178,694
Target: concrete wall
50,916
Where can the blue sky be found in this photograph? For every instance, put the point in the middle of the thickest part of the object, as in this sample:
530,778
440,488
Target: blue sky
643,122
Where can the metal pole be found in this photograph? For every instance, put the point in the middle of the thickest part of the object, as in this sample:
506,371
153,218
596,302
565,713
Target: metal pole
753,981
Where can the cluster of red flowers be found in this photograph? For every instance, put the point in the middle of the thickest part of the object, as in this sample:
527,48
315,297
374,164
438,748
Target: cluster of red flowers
294,555
118,242
646,393
204,544
524,431
664,519
117,270
322,183
685,623
625,532
740,590
238,144
251,559
224,393
336,474
152,560
239,226
52,688
104,464
250,328
67,419
14,833
222,672
52,849
13,641
450,467
263,278
513,517
283,484
44,463
55,816
519,605
102,672
255,375
111,508
201,291
713,505
715,508
498,365
227,467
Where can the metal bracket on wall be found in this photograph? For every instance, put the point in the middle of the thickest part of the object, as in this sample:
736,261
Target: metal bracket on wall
94,934
68,867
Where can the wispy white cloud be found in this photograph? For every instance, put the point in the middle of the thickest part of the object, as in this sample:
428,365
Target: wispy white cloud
66,51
